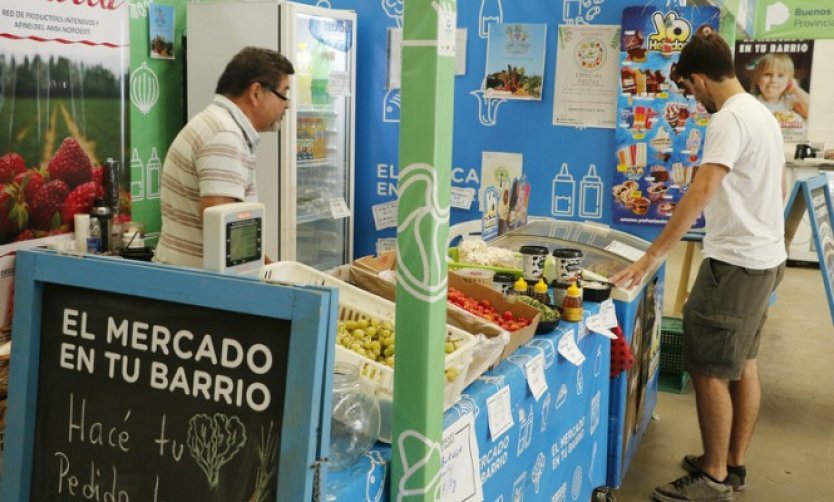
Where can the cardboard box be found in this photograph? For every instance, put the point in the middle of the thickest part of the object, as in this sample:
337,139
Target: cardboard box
365,274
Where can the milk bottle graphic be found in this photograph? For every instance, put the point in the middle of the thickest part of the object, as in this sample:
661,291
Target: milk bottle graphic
491,12
137,177
564,191
153,175
590,194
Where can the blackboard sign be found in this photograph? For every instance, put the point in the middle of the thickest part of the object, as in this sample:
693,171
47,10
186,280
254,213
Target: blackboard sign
170,392
814,195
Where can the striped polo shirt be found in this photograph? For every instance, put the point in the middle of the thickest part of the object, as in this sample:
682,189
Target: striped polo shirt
213,155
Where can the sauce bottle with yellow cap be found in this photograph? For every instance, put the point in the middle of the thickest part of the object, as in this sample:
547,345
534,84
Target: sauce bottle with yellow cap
520,287
572,304
540,292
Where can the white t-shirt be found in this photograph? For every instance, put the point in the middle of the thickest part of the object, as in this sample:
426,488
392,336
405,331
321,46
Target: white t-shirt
745,224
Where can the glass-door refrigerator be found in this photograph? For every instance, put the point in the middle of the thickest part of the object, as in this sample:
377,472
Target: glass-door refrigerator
305,171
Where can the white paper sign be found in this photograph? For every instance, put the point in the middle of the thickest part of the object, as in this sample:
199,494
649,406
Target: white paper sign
535,376
569,349
338,208
339,84
460,52
596,325
386,244
446,31
461,198
607,314
624,250
395,57
460,473
385,215
499,413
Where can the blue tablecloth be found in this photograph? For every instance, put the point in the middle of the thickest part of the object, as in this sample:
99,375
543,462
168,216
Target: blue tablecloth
555,451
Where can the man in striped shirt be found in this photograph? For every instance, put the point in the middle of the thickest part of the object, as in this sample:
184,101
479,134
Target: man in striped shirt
212,160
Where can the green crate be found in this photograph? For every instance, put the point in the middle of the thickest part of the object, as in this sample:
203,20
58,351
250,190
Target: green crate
672,378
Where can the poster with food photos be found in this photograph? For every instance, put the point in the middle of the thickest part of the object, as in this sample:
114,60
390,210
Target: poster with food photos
660,128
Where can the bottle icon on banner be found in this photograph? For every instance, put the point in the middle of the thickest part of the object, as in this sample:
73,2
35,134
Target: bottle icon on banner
491,12
137,177
564,191
153,175
590,194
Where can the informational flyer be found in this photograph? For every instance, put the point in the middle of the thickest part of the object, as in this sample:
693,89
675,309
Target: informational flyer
515,61
586,76
778,73
660,128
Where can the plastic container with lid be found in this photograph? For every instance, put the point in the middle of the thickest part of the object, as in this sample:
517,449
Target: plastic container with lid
568,263
503,282
532,261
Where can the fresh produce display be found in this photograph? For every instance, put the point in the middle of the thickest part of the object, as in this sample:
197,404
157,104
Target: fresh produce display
548,314
485,310
375,339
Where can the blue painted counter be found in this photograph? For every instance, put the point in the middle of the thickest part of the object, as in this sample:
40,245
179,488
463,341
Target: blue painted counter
556,449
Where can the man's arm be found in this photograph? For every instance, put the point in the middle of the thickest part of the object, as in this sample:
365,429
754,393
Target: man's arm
690,206
214,200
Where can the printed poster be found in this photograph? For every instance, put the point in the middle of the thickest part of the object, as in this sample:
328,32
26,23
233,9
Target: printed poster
515,61
505,193
660,129
778,74
161,27
587,61
63,68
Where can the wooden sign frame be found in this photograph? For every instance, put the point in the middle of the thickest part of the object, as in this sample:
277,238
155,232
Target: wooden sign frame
814,195
312,312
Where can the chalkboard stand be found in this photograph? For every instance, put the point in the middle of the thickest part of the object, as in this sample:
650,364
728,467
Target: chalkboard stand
303,319
814,196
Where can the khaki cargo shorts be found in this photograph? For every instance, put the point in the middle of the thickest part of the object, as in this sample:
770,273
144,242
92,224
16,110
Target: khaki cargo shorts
723,317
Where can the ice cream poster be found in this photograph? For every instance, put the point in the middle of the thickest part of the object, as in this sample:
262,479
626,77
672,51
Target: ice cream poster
660,129
778,73
515,61
62,114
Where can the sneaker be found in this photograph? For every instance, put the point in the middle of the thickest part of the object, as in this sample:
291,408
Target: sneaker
694,488
736,476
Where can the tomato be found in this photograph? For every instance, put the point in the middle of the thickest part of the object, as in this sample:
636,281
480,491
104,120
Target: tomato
508,316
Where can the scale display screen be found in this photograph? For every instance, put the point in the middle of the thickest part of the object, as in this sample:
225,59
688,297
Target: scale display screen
243,241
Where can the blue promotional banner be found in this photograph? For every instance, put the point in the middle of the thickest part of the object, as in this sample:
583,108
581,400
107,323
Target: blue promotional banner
660,130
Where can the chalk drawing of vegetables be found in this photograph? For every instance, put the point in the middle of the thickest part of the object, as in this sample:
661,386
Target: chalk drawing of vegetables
266,462
213,441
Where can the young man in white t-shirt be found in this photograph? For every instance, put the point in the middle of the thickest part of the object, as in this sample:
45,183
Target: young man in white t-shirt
740,188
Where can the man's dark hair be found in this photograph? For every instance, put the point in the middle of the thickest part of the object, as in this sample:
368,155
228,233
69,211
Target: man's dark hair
708,54
253,64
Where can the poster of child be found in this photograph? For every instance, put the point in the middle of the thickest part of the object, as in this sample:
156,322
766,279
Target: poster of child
778,73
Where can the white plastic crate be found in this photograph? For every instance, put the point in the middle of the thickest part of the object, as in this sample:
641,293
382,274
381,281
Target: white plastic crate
354,304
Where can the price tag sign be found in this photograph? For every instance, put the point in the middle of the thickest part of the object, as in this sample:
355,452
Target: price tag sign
460,476
499,413
624,250
338,208
607,314
596,325
461,198
385,215
569,349
535,376
339,84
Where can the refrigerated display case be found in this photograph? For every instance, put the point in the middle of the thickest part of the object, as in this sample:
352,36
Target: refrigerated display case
633,394
304,172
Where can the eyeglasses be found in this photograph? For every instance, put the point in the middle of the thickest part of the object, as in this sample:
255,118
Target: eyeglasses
273,91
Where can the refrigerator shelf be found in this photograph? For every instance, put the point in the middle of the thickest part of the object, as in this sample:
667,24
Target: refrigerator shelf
317,110
327,161
313,215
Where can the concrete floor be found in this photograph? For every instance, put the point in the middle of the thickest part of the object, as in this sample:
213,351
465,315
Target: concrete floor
791,457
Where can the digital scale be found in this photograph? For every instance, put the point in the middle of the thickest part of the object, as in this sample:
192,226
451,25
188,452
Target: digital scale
233,238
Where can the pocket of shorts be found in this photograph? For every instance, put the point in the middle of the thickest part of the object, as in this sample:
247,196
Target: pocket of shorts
716,344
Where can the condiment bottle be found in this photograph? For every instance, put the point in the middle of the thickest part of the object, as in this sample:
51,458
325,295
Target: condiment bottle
540,292
520,287
572,305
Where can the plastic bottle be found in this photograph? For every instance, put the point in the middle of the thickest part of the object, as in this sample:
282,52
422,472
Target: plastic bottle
303,75
572,305
540,292
322,60
520,287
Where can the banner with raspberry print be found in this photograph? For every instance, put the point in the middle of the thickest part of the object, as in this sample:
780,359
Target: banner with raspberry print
63,67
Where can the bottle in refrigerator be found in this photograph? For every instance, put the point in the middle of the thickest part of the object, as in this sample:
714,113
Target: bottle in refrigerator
303,76
322,61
